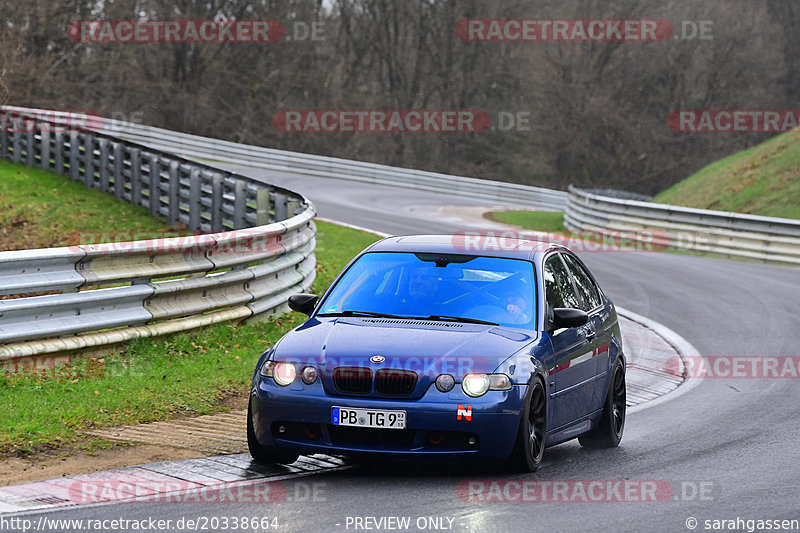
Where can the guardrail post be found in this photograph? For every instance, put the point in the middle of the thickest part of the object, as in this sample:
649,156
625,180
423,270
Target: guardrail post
195,199
281,209
45,151
58,146
74,172
17,157
119,171
104,181
239,204
155,185
293,206
31,149
136,176
173,209
216,202
88,160
4,135
262,206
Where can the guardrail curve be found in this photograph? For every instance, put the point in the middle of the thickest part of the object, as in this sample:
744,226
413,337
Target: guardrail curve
205,148
248,247
736,235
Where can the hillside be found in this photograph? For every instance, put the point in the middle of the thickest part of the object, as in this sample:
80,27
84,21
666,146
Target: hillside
763,180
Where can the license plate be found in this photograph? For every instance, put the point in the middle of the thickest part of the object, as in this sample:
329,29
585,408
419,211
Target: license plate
368,418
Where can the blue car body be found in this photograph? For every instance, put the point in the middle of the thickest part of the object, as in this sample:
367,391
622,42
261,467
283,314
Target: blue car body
575,365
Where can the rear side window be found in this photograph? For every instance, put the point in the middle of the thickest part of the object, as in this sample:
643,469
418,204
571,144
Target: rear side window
558,288
586,287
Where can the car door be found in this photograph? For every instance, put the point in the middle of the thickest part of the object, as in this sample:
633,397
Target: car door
572,368
598,327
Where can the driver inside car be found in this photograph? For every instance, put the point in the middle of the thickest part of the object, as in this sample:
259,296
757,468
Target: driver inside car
517,307
423,284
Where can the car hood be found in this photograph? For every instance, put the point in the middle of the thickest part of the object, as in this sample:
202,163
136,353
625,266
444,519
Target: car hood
428,348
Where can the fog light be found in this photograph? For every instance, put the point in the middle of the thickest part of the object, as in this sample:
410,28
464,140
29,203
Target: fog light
312,432
309,375
472,441
445,383
281,429
436,438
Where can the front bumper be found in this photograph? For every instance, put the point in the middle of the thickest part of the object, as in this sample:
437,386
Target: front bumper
433,427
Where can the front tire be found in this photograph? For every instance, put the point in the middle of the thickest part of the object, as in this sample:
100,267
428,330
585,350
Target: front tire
264,455
529,448
608,432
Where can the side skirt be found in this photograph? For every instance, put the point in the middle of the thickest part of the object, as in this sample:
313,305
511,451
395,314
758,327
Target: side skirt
573,430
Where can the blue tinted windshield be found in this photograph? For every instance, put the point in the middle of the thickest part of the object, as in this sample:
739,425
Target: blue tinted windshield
491,289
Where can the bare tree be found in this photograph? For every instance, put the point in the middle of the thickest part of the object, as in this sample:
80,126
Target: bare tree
597,109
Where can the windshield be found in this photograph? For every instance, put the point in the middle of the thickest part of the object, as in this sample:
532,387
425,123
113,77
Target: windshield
490,289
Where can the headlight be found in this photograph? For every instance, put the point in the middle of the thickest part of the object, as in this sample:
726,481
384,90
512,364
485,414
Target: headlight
445,383
478,384
475,384
282,373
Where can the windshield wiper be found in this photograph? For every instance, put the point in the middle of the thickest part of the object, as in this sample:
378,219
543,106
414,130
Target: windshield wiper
371,314
444,318
460,319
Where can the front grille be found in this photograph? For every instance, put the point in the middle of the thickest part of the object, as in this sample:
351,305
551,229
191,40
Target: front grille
352,379
393,382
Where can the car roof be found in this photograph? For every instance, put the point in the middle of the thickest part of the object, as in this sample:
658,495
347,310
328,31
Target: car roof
480,243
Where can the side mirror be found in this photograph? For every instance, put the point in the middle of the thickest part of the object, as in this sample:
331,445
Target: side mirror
303,303
568,318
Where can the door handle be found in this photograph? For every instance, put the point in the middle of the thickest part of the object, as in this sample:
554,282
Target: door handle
590,334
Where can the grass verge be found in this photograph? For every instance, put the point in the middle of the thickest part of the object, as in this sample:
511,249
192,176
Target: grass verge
535,220
763,180
40,209
153,379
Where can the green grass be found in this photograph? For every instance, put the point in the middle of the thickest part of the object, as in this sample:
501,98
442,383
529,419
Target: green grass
764,180
40,209
535,220
153,379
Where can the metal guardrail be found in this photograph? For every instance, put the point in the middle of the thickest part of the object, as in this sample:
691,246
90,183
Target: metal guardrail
205,148
736,235
251,249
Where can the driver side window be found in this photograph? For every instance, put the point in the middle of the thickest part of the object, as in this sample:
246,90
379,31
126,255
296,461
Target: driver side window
558,288
586,286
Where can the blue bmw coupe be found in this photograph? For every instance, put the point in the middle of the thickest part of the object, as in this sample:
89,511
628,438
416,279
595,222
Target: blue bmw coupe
437,346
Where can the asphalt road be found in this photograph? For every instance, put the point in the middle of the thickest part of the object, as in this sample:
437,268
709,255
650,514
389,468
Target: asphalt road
729,446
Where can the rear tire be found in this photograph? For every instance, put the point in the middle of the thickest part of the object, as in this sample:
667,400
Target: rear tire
265,455
608,432
529,447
